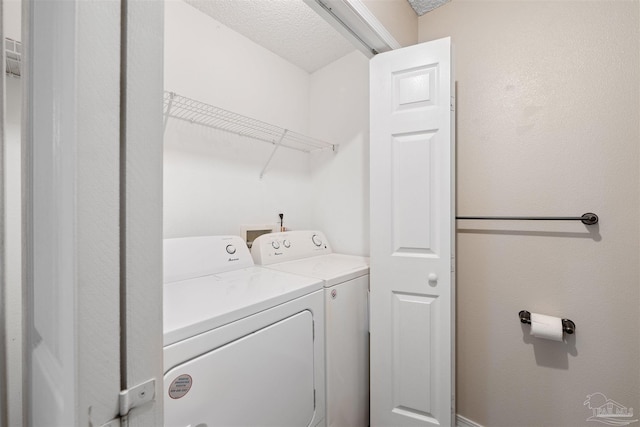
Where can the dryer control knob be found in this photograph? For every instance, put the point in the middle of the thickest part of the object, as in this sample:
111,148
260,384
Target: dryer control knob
286,243
231,249
316,240
275,244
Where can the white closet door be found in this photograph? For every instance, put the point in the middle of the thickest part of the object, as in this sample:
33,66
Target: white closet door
412,155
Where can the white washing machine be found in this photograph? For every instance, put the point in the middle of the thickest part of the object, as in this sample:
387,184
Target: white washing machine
243,345
346,283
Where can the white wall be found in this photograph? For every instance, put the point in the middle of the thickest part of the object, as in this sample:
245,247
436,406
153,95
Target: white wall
208,61
212,183
13,224
339,102
548,106
12,25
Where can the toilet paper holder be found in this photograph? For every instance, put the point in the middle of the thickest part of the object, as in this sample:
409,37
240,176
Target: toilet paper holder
568,326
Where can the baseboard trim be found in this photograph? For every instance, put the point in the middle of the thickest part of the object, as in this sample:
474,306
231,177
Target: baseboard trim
465,422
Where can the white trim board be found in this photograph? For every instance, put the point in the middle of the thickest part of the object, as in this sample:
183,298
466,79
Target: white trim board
370,19
465,422
3,350
356,23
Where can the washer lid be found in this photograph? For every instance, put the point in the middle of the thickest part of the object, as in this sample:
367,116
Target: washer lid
197,305
332,268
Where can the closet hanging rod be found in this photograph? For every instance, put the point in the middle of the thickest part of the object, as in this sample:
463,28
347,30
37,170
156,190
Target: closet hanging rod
587,218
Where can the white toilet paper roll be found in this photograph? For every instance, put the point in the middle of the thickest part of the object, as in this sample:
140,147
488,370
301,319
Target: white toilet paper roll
547,327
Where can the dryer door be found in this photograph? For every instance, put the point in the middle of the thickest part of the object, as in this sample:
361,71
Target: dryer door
263,379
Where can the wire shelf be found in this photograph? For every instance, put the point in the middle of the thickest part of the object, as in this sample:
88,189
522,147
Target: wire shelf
13,57
192,111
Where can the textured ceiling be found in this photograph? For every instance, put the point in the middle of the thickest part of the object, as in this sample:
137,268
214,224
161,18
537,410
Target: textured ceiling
423,6
288,28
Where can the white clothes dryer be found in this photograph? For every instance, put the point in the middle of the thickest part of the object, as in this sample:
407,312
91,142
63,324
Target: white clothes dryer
346,283
243,345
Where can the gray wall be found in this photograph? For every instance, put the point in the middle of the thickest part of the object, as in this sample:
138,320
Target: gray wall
547,120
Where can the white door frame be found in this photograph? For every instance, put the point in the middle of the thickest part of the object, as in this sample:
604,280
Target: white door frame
92,206
3,344
141,198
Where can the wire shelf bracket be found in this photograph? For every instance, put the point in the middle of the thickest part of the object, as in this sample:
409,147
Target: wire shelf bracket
193,111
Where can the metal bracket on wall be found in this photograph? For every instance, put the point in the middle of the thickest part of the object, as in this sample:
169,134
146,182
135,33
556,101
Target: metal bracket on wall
273,153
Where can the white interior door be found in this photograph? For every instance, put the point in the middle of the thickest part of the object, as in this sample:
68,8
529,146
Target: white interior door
92,181
71,208
412,155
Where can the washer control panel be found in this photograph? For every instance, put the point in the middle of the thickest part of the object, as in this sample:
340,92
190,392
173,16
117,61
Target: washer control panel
288,246
190,257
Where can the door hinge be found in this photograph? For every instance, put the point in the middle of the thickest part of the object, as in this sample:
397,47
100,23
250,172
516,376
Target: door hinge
131,398
313,330
453,263
137,396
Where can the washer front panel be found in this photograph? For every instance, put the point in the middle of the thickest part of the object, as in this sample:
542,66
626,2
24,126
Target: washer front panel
192,348
265,378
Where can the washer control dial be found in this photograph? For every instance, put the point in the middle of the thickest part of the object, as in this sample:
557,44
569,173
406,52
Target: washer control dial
286,243
275,244
231,249
316,240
